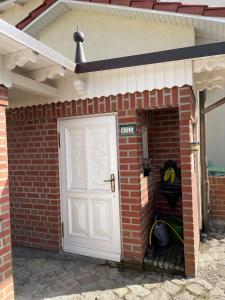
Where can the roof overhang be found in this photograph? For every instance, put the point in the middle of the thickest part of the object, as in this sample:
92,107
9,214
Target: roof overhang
4,5
29,65
208,29
14,40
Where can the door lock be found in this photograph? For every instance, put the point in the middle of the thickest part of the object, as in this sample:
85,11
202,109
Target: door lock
113,183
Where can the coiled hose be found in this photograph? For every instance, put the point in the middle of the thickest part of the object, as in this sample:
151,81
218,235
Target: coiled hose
161,221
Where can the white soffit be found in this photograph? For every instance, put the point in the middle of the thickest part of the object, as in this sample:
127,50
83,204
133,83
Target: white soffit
10,3
207,28
13,41
29,65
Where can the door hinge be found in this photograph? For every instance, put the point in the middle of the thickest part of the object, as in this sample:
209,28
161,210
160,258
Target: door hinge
59,139
62,230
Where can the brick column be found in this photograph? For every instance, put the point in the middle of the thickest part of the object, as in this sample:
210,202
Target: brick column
189,172
130,155
6,279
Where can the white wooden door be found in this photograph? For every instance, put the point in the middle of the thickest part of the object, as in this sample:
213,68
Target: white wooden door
90,206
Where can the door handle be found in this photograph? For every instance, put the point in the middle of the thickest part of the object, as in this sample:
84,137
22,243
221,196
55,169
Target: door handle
113,182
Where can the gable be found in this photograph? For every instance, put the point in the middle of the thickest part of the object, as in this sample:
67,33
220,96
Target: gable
109,36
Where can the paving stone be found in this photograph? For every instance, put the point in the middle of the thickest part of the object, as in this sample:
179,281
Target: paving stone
215,298
91,296
178,282
107,295
75,297
205,260
171,288
138,290
157,294
121,292
217,292
184,296
132,297
47,277
151,286
195,289
221,285
203,283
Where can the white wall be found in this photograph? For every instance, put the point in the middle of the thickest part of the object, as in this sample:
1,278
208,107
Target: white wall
112,36
16,14
215,128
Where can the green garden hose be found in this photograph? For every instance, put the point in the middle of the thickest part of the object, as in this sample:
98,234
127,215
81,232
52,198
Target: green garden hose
161,221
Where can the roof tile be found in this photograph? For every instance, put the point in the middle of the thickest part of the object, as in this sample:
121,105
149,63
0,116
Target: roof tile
214,12
121,2
98,1
142,4
167,6
192,9
35,13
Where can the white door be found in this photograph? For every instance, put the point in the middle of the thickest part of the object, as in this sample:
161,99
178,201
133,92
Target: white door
89,187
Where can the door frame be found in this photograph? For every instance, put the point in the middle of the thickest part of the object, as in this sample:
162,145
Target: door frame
118,167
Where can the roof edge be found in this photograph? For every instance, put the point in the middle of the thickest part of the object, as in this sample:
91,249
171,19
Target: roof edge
174,7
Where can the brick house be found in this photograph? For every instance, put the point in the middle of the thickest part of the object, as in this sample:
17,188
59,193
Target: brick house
76,182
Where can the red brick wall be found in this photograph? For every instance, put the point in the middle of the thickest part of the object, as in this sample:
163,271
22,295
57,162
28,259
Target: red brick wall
34,177
217,199
189,171
7,289
147,185
34,170
147,206
164,144
6,280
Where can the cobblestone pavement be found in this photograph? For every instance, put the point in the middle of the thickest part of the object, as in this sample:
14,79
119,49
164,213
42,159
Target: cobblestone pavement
40,275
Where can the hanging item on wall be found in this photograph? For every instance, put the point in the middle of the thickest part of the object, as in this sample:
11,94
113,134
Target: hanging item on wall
147,168
170,185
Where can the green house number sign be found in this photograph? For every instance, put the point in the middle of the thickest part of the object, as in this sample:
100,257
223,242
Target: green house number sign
128,130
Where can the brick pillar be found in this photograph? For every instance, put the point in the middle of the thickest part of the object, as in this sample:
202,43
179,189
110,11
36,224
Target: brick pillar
189,182
130,160
6,279
136,190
